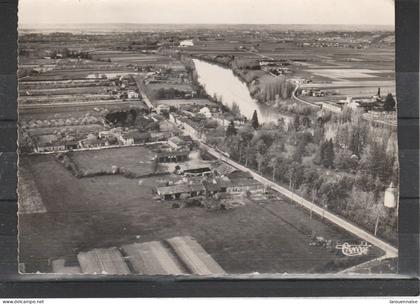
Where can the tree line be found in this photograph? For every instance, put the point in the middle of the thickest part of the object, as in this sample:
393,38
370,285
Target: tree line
342,162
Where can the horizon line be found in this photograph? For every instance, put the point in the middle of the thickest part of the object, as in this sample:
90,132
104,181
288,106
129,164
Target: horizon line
200,23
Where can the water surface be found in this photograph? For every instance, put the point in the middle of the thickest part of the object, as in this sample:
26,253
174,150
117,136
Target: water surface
221,82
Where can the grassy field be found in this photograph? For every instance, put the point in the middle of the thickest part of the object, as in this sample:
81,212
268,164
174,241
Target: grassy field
75,111
138,160
80,129
133,58
68,91
180,102
112,210
166,86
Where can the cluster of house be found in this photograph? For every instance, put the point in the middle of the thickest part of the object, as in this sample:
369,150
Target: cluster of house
208,180
202,120
126,88
177,150
367,103
274,67
334,44
119,136
171,74
113,137
315,93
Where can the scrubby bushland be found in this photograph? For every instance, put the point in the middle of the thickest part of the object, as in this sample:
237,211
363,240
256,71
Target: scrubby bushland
121,118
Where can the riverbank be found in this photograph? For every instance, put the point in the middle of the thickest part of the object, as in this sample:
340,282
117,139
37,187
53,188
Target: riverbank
225,88
262,86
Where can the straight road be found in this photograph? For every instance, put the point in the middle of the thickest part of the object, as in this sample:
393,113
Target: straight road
390,251
143,94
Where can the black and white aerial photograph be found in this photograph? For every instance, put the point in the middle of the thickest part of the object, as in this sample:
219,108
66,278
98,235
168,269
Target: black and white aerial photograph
207,138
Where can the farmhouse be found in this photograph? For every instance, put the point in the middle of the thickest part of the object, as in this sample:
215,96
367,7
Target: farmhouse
48,143
194,169
222,168
181,142
187,140
50,148
176,142
181,191
245,184
134,137
219,185
71,145
131,94
172,156
189,126
93,142
194,186
331,107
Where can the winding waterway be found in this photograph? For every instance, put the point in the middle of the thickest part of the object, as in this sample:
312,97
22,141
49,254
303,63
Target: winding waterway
221,82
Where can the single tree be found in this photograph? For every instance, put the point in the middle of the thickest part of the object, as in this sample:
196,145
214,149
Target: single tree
254,120
306,122
296,123
231,129
260,158
236,111
273,164
389,104
327,154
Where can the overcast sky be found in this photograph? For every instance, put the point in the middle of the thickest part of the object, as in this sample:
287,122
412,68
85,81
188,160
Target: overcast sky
208,11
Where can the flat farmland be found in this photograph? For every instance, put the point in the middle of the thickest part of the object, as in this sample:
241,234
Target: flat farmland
65,111
80,74
163,85
79,98
351,84
180,102
80,129
100,212
133,58
68,91
365,91
62,84
346,74
353,57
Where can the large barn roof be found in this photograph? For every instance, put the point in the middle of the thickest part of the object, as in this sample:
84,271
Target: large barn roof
180,188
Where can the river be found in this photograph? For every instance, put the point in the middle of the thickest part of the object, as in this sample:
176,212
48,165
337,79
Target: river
221,82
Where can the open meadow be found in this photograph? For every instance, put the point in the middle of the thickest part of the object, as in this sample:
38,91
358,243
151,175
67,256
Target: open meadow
82,214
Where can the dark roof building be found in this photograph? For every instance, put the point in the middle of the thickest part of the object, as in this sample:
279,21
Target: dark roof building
217,185
245,184
181,190
172,156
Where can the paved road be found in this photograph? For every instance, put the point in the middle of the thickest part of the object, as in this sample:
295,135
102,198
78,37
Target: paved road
390,251
143,94
294,96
